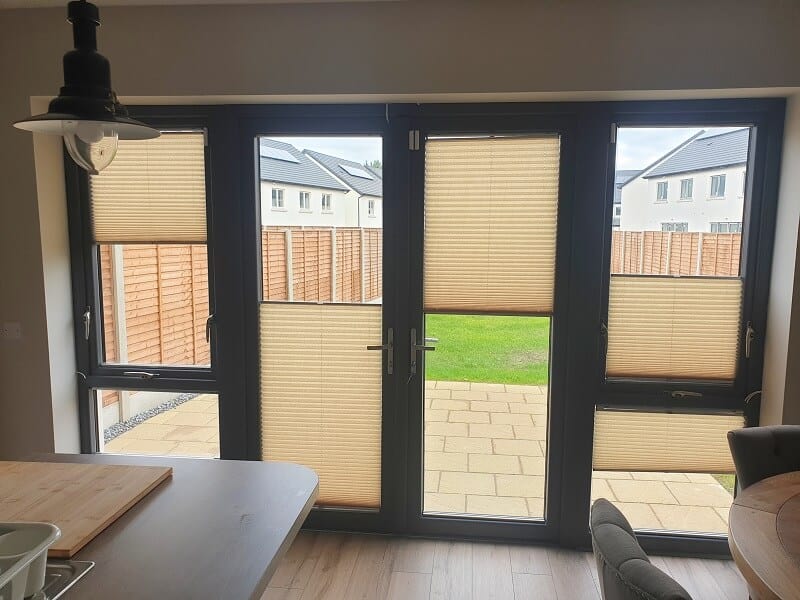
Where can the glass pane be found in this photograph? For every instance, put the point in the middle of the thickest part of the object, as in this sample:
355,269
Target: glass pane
486,404
155,304
322,288
158,423
675,292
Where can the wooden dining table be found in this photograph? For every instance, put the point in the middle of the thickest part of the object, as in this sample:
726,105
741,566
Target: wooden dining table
764,537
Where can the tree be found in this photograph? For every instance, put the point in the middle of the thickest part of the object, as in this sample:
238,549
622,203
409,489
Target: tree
375,164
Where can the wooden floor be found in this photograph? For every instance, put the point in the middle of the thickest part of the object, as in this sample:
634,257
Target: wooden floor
335,566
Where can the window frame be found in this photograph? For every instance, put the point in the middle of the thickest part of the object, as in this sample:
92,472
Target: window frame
765,118
94,374
278,200
721,177
304,204
371,208
662,185
690,185
329,208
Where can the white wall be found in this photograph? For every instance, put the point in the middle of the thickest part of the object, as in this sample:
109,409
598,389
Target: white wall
343,207
642,212
374,222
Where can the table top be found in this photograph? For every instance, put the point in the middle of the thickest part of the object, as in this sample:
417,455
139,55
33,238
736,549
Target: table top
216,529
764,536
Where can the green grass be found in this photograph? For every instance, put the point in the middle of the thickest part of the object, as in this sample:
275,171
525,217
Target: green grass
726,481
488,349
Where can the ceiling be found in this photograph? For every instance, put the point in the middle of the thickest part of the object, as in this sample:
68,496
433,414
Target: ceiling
102,3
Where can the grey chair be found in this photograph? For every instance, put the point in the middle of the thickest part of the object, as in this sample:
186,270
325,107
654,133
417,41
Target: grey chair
761,452
624,571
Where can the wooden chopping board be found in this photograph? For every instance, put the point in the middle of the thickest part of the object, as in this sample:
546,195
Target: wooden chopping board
82,500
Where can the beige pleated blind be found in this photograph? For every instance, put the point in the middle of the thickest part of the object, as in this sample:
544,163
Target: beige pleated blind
646,441
321,396
491,208
673,327
153,192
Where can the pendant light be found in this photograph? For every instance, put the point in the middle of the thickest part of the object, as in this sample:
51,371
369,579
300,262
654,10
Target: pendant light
86,112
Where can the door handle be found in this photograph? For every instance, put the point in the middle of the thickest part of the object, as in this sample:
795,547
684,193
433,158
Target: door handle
415,347
389,347
210,322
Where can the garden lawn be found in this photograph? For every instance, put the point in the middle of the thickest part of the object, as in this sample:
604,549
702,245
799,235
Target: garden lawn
488,349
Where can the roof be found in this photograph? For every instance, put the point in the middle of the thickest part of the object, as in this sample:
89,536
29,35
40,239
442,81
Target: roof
344,169
302,172
710,152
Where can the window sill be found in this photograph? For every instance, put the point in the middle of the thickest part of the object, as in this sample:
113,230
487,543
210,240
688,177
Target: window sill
305,210
685,199
274,209
716,197
327,212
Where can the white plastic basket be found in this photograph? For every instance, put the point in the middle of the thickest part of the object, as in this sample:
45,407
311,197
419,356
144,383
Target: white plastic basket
23,557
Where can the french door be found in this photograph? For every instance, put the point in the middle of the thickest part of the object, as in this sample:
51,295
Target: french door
490,203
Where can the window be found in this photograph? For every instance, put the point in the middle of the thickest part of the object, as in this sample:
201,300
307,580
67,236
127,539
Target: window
744,184
686,189
618,210
678,227
662,190
277,199
305,201
326,203
726,227
371,208
718,186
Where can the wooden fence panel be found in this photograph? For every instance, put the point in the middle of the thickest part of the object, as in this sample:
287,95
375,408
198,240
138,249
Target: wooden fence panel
373,263
109,334
348,265
142,309
200,305
273,261
637,252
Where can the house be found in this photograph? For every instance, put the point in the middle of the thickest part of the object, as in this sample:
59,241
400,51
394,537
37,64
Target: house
308,188
621,177
698,186
343,389
296,191
365,181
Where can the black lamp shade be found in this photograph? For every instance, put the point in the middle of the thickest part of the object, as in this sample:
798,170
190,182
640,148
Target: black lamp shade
86,95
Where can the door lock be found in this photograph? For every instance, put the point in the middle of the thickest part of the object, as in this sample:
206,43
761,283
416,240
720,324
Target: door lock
389,347
415,347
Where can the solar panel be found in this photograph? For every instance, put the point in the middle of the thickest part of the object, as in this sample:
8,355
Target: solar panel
356,172
277,154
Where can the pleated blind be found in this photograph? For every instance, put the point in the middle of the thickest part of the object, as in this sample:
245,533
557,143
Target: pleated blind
663,442
491,208
153,192
673,327
321,396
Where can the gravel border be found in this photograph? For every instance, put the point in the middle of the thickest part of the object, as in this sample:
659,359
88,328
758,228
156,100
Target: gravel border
119,428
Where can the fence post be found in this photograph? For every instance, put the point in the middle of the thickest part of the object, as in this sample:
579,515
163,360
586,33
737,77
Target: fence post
289,267
363,270
699,267
120,323
641,252
333,264
623,238
669,251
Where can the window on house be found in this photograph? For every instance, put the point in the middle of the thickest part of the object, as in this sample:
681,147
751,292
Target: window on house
305,200
718,186
277,198
326,203
662,190
686,189
618,210
676,227
726,227
371,208
744,184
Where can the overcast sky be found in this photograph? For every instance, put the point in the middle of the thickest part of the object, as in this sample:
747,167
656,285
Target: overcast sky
637,147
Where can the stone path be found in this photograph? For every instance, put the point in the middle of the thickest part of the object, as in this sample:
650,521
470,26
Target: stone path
485,448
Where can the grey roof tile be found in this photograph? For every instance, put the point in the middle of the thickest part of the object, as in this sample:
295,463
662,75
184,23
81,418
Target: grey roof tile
304,172
710,152
365,187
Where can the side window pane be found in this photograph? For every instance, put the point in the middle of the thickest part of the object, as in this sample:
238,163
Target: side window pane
682,257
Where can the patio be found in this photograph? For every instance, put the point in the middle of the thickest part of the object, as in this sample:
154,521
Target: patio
485,448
